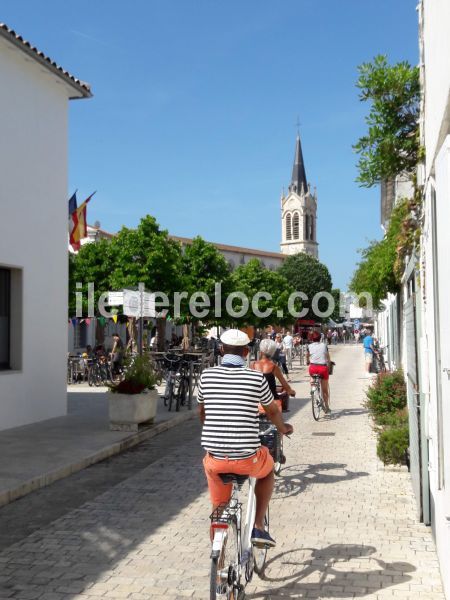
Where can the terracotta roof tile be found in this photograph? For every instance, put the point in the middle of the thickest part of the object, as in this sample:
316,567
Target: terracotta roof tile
10,35
225,247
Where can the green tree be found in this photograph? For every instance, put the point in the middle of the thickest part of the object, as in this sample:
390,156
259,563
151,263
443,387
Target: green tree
147,255
391,145
306,274
253,278
378,272
336,293
204,267
92,264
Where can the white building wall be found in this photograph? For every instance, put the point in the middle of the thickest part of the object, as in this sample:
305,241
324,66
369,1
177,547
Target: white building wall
33,232
434,18
436,27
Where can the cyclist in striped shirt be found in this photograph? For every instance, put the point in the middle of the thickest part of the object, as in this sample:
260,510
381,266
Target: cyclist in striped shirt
228,397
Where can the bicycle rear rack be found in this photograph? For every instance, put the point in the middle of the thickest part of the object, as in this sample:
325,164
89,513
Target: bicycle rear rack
225,513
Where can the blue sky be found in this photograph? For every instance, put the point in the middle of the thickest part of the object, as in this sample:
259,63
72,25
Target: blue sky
195,104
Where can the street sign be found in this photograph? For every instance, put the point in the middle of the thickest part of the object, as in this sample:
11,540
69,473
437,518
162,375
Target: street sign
138,304
115,298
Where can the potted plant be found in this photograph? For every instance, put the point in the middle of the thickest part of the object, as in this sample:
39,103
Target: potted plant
134,400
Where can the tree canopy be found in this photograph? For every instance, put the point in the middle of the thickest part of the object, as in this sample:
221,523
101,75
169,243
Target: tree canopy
203,267
306,274
391,145
378,272
146,255
253,278
94,263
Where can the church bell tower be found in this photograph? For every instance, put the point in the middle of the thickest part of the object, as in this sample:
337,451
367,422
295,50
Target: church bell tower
299,211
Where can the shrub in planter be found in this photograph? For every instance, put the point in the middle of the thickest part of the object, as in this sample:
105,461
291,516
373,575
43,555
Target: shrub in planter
387,394
133,401
393,444
139,376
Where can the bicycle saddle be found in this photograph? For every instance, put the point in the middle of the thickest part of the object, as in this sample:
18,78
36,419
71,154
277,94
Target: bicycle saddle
233,478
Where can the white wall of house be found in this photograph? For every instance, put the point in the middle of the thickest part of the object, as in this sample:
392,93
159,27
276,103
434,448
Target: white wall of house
33,235
434,17
436,25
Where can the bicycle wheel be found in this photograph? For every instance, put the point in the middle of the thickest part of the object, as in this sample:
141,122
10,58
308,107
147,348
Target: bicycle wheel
260,554
168,396
316,401
278,458
91,376
180,394
223,574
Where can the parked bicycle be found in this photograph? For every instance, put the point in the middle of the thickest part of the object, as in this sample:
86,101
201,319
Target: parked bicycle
76,369
378,363
99,372
171,363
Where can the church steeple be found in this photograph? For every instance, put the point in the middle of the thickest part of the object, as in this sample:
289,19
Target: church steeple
298,182
299,211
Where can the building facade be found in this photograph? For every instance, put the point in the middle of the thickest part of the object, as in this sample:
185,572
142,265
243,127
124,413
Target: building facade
299,211
33,200
434,343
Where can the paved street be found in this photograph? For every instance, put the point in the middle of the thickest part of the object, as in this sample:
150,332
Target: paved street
136,526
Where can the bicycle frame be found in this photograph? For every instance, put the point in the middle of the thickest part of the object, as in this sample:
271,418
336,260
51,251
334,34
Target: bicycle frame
233,510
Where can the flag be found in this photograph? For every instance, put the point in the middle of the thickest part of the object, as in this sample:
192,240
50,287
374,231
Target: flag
78,228
72,205
72,209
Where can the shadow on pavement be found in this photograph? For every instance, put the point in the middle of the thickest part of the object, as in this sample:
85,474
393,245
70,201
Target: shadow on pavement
295,479
329,572
346,412
114,519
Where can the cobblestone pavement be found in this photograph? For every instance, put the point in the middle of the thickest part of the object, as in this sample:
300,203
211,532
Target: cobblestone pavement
345,526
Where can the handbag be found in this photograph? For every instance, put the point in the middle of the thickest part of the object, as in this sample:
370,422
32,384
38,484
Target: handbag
331,367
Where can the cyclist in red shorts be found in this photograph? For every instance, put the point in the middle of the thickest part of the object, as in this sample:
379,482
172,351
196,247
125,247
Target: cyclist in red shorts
318,359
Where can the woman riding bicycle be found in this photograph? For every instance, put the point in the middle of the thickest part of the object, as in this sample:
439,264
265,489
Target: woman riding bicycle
272,372
318,359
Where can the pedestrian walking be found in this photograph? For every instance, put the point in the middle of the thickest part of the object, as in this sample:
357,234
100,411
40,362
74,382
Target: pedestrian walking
281,355
288,343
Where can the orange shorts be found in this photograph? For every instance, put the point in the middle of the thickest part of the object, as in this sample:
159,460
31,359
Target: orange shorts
258,466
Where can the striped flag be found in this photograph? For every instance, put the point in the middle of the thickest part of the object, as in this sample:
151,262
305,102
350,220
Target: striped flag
77,222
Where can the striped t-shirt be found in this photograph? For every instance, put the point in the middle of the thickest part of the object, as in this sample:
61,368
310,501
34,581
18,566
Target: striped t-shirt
230,395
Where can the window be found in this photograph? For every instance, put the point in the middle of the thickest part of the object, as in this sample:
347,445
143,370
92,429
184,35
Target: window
312,229
288,227
306,228
80,335
5,318
296,227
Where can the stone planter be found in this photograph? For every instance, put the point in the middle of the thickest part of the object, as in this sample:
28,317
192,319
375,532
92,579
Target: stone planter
130,412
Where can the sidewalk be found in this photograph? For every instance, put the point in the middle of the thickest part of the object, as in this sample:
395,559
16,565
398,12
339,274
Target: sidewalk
36,455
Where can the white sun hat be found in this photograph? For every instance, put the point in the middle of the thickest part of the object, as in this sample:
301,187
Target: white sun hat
234,337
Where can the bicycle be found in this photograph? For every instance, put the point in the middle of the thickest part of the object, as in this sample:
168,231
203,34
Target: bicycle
99,372
378,362
172,363
233,556
271,438
76,370
316,396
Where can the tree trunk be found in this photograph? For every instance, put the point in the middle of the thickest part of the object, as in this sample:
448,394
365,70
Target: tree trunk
161,333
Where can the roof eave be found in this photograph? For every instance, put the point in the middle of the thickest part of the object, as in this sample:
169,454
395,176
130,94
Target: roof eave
83,89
